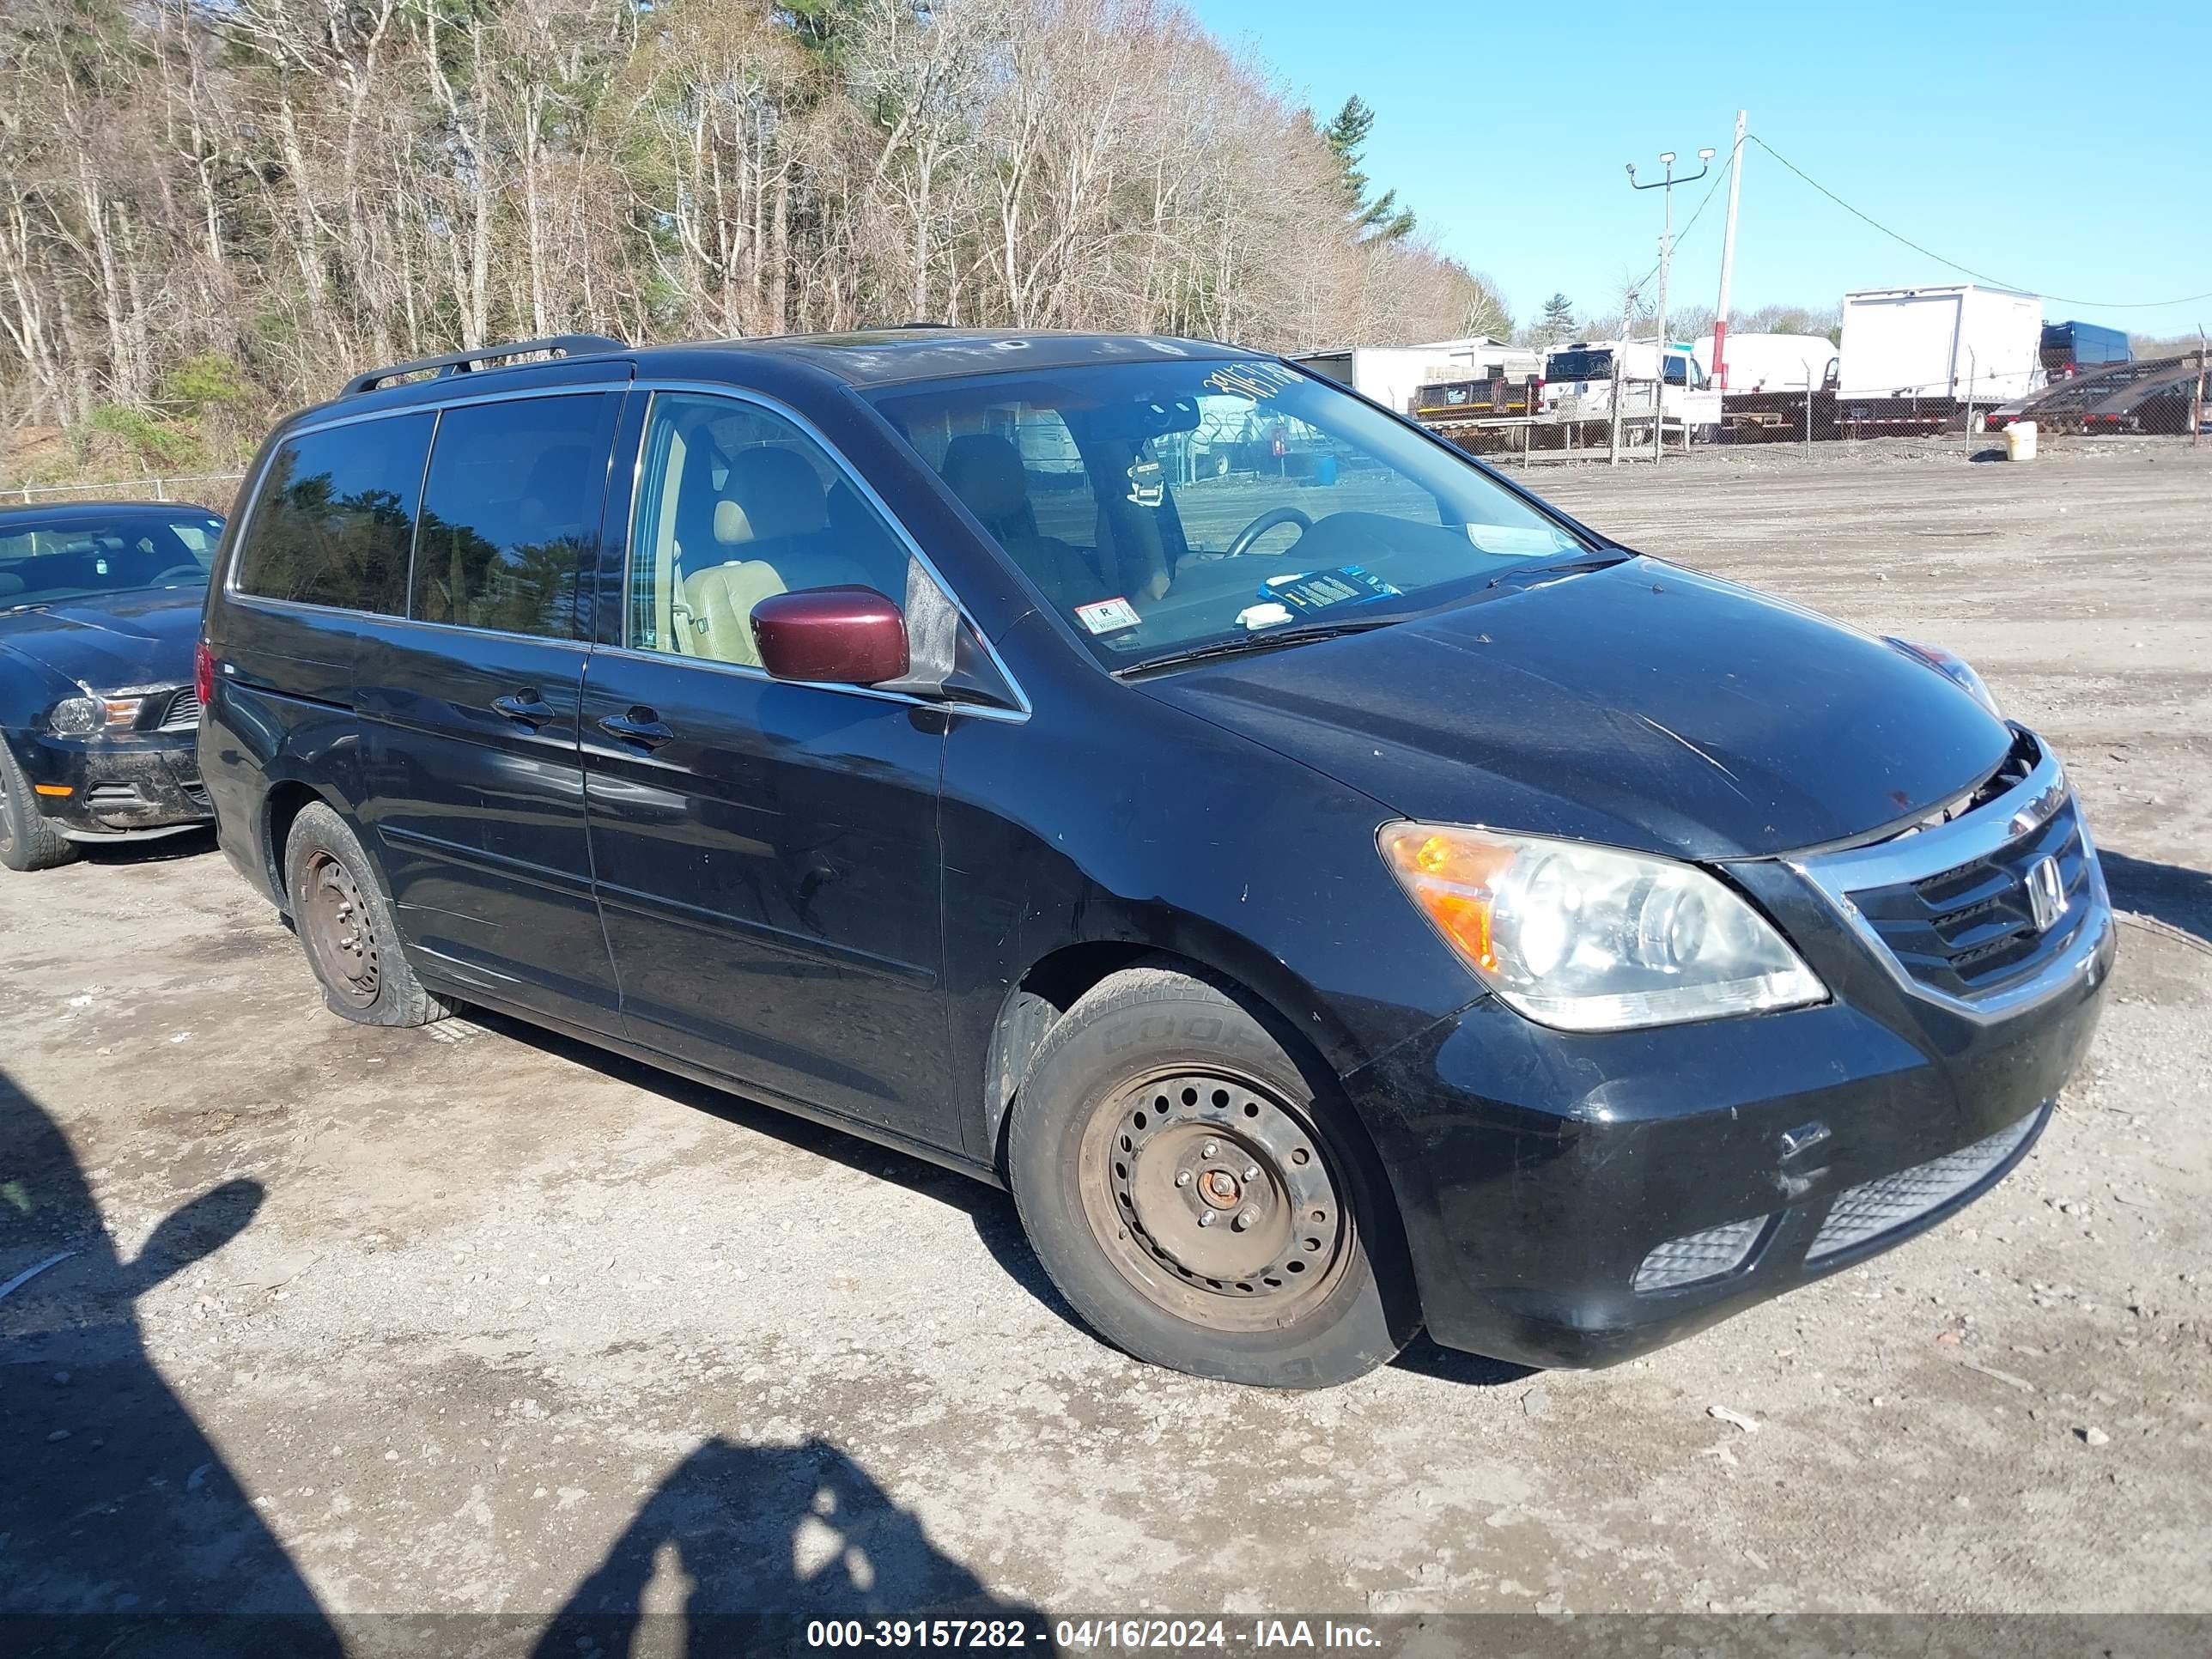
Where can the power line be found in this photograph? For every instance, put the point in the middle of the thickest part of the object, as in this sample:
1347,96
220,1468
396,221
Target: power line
2063,299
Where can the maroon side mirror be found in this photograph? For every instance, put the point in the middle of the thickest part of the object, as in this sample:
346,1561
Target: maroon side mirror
844,635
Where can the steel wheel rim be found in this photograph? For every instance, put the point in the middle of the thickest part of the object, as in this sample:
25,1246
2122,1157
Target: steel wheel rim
1211,1195
338,924
7,828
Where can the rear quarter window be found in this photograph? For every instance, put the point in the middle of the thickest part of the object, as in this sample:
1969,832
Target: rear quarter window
335,517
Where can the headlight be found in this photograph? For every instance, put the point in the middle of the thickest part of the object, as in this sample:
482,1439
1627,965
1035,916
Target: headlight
1591,938
80,717
77,717
1953,667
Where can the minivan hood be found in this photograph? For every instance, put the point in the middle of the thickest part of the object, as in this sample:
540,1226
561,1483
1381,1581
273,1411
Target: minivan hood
141,638
1642,705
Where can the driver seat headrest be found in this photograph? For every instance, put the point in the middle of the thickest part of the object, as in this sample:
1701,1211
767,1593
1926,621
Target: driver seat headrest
986,473
769,493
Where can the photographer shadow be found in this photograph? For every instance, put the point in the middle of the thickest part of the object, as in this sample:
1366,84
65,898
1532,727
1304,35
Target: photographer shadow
120,1523
760,1539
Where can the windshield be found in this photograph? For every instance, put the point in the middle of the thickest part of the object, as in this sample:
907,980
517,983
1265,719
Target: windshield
48,560
1578,365
1192,503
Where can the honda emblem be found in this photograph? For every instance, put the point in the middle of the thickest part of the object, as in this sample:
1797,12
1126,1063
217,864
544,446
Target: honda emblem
2046,894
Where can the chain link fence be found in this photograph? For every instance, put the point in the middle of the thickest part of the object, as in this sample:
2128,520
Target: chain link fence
208,489
1519,418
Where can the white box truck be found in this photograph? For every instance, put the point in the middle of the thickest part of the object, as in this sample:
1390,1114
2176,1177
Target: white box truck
1957,341
1774,363
1393,375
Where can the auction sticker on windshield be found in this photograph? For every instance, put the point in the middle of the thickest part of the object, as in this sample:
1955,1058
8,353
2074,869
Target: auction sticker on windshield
1108,616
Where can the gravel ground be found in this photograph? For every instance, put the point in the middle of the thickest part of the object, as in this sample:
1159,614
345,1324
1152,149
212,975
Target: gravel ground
474,1320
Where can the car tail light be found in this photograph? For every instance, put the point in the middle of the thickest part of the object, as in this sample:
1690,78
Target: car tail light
204,673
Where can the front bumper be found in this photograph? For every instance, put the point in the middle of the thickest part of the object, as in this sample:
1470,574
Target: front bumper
115,787
1537,1172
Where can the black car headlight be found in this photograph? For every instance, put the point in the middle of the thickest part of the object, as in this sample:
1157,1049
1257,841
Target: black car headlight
82,717
1594,938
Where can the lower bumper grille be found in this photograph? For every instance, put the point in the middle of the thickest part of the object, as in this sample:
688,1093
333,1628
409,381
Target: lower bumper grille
1695,1257
183,713
1866,1212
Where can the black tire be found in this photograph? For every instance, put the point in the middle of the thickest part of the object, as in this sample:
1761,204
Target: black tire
28,840
1102,1177
345,926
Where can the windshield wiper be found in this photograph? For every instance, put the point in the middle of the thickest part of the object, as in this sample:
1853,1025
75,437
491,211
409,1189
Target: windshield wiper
1528,576
1264,639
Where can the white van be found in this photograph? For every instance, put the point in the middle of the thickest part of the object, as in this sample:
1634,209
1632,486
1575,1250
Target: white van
1578,381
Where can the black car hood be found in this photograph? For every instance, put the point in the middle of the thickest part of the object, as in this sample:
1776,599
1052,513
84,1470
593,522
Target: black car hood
1641,705
144,637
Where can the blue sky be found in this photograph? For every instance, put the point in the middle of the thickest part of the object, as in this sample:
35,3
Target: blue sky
1506,127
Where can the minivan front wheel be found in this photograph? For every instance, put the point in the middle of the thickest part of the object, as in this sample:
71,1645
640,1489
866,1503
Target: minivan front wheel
1188,1191
346,928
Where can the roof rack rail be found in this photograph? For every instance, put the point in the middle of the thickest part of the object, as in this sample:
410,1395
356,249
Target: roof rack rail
463,362
906,326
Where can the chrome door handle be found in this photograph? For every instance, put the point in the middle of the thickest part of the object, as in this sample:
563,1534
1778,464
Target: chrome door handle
524,707
641,726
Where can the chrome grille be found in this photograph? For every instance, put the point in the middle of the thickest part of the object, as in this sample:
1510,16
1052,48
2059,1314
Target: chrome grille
1868,1210
1996,899
1971,929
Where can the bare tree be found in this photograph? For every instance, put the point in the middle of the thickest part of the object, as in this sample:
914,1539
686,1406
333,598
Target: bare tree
262,194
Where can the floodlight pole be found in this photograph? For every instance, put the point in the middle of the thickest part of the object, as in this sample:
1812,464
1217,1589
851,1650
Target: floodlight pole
1665,186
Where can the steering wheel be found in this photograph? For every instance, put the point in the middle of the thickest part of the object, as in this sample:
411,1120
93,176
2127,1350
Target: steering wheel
178,573
1242,543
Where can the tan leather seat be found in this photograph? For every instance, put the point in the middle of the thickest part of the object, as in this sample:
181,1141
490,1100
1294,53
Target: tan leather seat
770,498
721,598
986,473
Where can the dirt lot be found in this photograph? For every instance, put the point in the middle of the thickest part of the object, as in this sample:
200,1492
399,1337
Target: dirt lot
506,1326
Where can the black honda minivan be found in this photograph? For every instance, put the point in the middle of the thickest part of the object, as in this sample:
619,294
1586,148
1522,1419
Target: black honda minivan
1334,899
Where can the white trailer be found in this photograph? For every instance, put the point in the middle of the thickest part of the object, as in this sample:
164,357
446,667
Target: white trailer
1393,375
1956,341
1773,362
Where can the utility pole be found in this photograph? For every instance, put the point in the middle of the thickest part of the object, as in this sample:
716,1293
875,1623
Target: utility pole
1666,189
1619,361
1808,407
1728,259
2196,404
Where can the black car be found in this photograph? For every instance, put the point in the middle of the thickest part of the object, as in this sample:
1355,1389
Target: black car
1329,907
99,608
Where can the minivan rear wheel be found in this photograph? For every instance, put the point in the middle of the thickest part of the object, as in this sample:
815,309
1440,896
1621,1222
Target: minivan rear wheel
1198,1198
346,927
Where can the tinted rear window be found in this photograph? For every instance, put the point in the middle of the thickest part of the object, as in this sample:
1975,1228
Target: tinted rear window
336,515
1579,366
511,513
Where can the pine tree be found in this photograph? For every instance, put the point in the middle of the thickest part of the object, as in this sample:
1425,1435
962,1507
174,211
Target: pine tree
1559,318
1380,219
